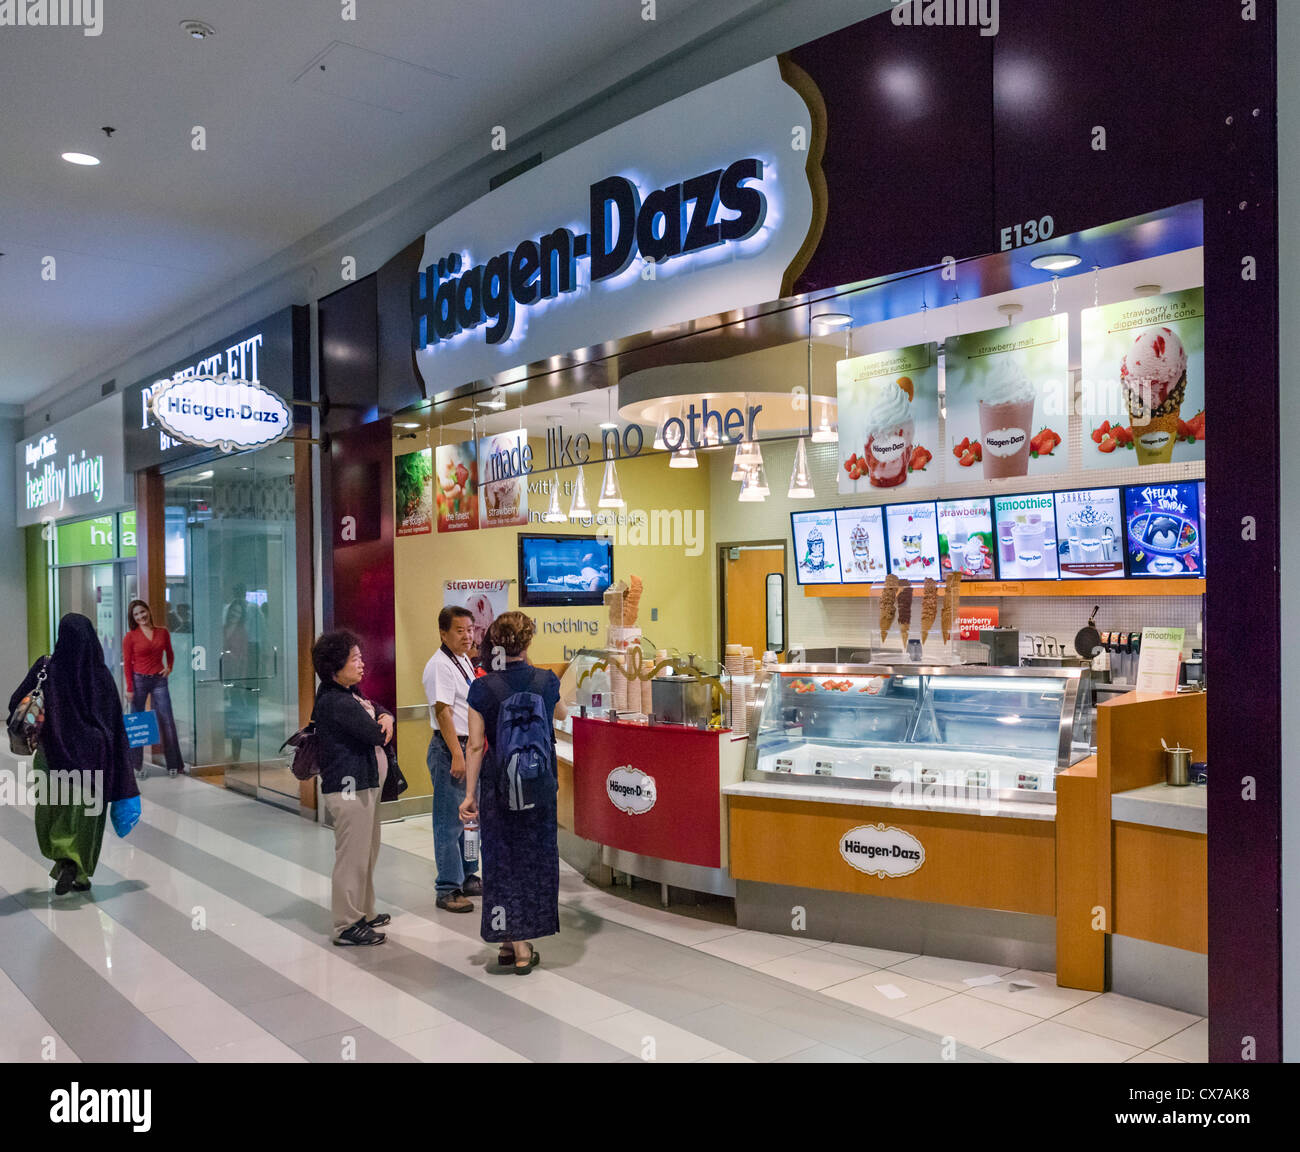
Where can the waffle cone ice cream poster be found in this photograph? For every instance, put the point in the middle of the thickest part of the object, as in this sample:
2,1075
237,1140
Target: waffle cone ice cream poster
456,473
504,465
1144,381
1008,391
413,492
888,419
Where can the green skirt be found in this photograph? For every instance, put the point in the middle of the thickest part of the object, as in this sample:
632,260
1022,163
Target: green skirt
67,831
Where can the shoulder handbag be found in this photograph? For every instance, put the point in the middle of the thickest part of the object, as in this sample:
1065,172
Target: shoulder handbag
306,752
27,720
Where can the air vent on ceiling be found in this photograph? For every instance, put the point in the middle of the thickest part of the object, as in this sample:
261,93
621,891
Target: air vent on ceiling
516,170
108,387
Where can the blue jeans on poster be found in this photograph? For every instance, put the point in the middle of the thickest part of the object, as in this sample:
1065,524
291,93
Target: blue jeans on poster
448,831
155,687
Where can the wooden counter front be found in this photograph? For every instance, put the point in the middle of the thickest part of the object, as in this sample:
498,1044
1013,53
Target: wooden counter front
976,861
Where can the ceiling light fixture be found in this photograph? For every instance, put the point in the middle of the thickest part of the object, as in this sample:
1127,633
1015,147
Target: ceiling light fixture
829,321
1055,261
554,513
579,509
406,425
83,158
611,495
826,432
684,457
197,29
609,421
801,485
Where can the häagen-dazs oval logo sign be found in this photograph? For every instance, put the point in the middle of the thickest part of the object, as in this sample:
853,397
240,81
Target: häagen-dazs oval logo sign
217,412
881,851
630,790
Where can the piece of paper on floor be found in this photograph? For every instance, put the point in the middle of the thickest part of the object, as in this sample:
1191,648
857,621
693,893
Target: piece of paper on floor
1020,985
980,981
891,991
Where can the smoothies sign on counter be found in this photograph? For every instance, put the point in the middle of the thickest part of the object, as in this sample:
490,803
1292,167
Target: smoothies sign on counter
966,541
1026,535
1144,381
816,547
1007,394
888,419
1163,530
1090,533
862,545
913,541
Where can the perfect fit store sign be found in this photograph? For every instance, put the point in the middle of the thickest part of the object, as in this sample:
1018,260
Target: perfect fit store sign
696,207
74,467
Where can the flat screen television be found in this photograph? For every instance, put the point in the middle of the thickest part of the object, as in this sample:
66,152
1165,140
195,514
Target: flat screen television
564,571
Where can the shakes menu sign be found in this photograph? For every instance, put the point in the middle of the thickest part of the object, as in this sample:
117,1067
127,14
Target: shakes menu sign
74,467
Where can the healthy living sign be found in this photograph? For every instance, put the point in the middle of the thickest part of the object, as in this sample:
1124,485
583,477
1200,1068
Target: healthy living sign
74,468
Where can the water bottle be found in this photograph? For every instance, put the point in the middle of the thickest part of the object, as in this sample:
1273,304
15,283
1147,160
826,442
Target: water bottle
471,840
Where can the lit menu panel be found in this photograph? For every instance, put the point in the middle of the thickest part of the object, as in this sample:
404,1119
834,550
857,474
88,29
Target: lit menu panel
913,537
816,547
966,541
861,531
1027,542
1162,530
1090,534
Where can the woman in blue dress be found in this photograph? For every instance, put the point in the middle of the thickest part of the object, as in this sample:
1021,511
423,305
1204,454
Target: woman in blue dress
521,873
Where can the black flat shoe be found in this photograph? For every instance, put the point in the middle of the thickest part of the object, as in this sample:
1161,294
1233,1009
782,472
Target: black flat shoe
379,921
65,878
359,935
84,887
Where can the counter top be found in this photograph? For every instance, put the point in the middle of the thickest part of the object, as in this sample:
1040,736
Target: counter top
869,798
1160,806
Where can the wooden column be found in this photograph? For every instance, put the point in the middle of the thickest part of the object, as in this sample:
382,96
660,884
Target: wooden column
150,544
305,549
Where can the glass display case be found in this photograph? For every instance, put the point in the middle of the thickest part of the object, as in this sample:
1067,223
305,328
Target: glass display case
988,731
637,685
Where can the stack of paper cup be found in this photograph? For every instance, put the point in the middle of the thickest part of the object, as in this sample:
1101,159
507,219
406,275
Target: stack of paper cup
749,661
733,660
740,707
618,689
647,697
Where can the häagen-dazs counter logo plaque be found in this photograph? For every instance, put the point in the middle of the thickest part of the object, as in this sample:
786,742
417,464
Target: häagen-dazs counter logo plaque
217,412
882,851
630,790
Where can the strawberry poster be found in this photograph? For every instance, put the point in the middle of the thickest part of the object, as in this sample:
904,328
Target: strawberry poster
413,492
1007,393
1144,381
457,493
505,462
888,419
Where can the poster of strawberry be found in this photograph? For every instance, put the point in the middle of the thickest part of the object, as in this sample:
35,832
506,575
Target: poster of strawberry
457,494
1143,396
1007,391
888,419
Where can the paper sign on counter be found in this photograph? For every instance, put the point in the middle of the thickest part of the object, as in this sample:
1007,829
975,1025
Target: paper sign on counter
1162,650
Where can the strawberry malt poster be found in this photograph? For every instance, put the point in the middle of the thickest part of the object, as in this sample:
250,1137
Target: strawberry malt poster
888,419
1143,396
457,475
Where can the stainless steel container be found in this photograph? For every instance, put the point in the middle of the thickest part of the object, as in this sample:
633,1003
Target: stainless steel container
1177,762
1004,646
681,700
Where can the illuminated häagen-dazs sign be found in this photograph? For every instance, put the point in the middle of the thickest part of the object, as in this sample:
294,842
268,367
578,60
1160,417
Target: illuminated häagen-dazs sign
218,412
694,208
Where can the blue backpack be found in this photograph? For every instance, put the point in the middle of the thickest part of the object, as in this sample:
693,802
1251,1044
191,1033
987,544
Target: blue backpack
523,750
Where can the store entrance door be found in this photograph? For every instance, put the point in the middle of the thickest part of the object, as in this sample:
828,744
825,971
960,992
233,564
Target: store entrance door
743,570
231,577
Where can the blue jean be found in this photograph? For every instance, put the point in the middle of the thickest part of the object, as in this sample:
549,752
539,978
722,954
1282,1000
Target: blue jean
156,687
448,831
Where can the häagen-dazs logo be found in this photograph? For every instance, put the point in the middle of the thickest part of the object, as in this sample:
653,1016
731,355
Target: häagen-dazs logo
882,851
217,412
630,790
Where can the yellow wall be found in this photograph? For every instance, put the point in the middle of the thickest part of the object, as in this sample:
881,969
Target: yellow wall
678,585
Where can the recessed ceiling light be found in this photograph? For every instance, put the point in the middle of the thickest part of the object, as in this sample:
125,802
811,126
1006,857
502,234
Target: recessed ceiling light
827,321
204,475
407,425
197,29
1055,262
495,405
83,158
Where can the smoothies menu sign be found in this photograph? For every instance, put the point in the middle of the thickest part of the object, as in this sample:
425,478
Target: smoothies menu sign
888,419
1007,399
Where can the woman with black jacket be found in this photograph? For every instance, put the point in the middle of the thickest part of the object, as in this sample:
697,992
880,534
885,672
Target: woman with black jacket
352,735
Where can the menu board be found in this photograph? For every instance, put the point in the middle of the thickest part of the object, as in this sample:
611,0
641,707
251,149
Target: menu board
1162,530
862,545
816,547
1090,533
913,536
1200,490
888,415
1143,396
1026,536
1008,400
966,537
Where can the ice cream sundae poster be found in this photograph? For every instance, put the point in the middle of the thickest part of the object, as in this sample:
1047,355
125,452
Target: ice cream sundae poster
456,473
816,547
1163,530
413,492
503,493
888,419
862,545
1143,390
966,538
484,599
1090,534
913,541
1007,392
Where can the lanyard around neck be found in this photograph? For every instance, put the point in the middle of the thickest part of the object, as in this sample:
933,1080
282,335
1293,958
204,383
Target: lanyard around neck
459,666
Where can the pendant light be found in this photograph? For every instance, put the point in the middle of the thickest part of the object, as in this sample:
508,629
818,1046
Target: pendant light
579,509
611,495
554,513
684,457
752,487
659,445
825,432
801,485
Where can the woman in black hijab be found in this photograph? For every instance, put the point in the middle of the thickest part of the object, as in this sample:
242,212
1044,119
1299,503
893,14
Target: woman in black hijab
81,760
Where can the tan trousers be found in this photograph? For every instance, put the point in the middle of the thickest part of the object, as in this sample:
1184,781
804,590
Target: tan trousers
355,817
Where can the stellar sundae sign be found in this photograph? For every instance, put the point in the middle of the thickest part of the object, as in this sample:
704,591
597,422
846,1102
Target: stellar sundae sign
218,412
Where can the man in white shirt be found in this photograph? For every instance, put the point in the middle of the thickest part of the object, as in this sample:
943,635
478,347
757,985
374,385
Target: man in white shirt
447,677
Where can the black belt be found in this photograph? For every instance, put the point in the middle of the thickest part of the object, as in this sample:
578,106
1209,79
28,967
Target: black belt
462,739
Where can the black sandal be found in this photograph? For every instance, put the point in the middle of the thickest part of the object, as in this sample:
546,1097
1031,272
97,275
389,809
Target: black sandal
65,878
505,955
523,967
